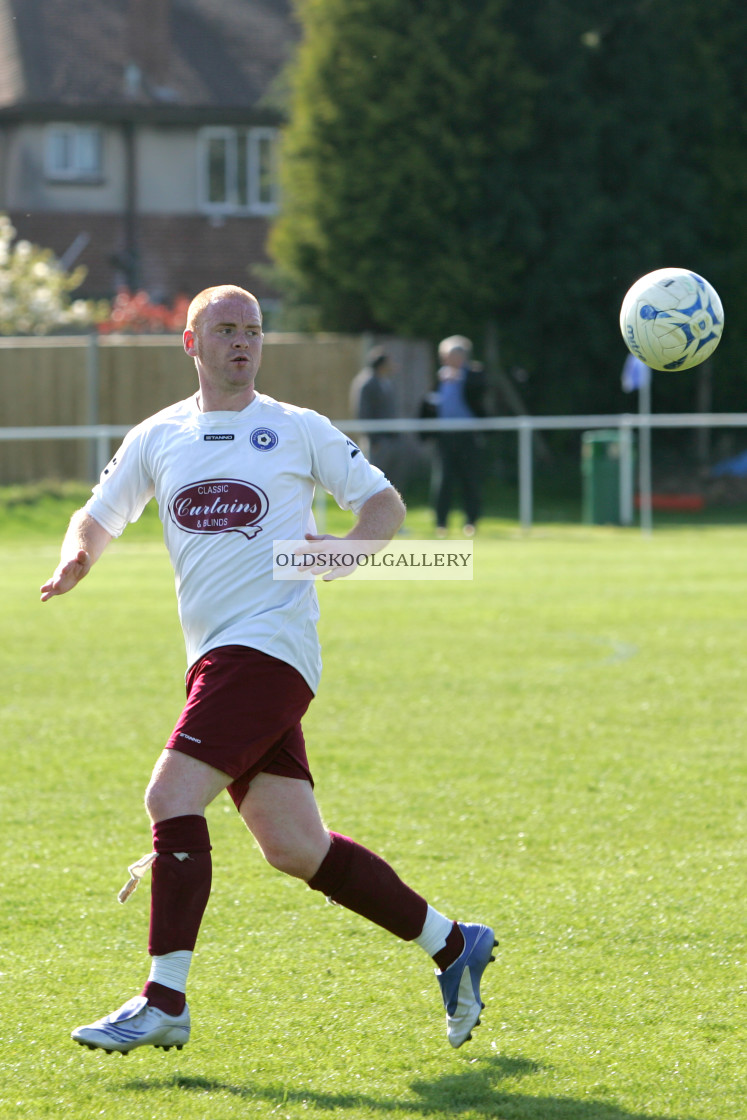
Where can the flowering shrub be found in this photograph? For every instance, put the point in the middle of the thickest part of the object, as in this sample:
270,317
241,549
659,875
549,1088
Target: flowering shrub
35,289
135,313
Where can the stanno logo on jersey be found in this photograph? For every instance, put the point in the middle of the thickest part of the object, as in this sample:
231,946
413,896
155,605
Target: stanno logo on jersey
219,505
218,437
355,449
263,439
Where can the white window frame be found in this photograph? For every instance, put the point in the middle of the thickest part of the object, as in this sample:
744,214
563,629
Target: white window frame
257,204
254,203
77,135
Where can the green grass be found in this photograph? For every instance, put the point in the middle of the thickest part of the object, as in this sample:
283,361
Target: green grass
557,748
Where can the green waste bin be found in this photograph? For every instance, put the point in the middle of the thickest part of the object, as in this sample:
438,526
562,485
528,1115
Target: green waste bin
600,475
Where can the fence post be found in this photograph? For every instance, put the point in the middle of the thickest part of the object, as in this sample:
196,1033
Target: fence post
103,452
92,403
626,475
644,454
525,472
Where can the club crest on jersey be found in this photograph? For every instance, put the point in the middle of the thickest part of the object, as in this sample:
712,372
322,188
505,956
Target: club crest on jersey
219,505
263,439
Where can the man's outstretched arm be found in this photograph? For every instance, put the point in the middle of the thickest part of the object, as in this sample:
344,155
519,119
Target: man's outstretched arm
84,542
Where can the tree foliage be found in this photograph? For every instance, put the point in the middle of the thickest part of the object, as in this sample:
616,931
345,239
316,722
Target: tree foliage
395,162
635,127
453,166
35,289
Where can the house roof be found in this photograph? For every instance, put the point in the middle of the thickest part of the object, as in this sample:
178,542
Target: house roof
158,58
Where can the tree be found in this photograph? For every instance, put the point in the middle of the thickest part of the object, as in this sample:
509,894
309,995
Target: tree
35,289
401,207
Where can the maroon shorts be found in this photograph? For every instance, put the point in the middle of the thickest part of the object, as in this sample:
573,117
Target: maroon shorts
243,715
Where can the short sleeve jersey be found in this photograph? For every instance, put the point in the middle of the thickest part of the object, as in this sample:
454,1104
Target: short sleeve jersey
227,485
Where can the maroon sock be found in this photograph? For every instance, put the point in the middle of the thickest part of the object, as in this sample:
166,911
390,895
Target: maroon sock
452,950
165,999
180,889
361,881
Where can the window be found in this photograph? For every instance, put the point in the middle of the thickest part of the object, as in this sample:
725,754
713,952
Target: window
74,152
263,184
239,170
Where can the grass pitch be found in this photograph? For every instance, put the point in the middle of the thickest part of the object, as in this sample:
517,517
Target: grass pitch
557,748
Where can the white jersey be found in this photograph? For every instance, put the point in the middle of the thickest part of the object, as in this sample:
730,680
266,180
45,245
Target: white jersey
227,484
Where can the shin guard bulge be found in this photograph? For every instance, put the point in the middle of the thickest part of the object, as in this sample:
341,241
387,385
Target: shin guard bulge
180,887
362,881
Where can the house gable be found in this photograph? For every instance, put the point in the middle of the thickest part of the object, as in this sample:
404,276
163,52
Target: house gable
112,120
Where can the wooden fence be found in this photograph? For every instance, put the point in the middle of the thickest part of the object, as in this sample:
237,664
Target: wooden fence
69,381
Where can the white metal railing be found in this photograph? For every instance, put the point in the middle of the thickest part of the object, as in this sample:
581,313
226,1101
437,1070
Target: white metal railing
526,426
102,435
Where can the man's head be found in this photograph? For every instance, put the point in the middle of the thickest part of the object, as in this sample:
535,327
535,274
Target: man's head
209,296
378,360
224,336
456,350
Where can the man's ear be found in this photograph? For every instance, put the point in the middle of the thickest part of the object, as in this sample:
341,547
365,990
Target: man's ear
190,343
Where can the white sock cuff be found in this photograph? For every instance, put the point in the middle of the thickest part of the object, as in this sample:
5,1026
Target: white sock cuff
171,969
435,931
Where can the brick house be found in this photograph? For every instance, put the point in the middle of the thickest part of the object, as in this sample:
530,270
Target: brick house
139,137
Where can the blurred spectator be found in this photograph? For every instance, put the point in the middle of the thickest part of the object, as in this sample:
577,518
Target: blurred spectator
459,396
372,397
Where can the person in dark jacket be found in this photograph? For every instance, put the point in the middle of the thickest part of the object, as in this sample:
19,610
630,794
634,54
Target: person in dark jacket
372,397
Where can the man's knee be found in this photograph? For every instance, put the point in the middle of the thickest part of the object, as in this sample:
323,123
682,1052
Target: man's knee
181,785
296,856
158,799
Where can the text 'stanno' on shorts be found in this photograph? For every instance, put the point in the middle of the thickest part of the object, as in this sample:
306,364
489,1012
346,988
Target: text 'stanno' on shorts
243,716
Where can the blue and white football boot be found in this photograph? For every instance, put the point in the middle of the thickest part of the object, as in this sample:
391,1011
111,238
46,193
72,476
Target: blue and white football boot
460,982
136,1023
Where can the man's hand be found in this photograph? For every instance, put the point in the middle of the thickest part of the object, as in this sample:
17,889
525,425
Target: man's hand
67,575
378,521
84,542
337,556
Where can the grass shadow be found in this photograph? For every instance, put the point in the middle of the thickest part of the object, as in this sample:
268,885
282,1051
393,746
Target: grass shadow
476,1090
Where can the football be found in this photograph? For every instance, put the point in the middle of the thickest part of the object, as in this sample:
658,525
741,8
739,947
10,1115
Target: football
672,319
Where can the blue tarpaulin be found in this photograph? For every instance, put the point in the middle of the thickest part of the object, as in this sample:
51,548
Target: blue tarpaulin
736,467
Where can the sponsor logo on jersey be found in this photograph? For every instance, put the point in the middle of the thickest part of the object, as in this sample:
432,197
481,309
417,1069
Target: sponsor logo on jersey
219,505
216,438
263,439
355,449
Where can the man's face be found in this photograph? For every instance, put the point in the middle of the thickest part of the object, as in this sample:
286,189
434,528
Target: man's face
227,346
455,358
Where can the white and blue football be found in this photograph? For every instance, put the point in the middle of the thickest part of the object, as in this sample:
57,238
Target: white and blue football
672,319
